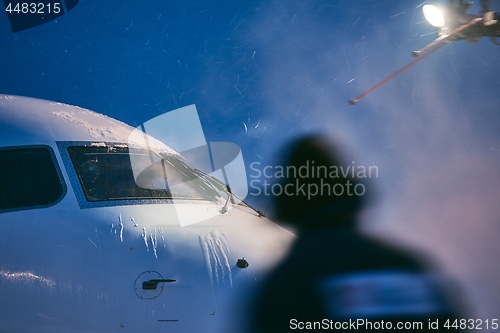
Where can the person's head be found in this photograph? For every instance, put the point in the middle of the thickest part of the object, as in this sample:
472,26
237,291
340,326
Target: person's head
321,188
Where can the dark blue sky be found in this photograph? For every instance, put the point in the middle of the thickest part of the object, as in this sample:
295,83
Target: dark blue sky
263,72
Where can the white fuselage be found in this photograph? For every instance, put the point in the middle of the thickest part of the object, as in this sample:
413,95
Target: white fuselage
73,263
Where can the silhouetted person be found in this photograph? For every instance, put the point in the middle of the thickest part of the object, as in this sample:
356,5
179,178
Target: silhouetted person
334,277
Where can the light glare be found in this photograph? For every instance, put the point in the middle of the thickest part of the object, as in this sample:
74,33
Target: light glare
433,15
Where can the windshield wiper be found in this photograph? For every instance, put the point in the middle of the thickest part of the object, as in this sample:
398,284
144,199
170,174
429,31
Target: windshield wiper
215,185
227,189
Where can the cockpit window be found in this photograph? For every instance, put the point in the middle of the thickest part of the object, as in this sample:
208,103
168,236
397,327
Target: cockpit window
29,178
119,173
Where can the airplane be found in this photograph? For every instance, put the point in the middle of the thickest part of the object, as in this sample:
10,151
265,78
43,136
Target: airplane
89,245
451,25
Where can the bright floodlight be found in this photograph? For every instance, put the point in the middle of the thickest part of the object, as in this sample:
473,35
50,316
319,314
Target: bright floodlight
433,15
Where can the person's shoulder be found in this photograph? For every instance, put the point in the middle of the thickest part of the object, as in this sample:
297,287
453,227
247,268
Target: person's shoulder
383,254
